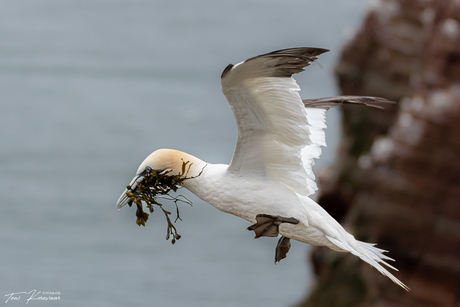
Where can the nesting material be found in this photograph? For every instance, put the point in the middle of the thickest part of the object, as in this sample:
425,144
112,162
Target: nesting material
157,185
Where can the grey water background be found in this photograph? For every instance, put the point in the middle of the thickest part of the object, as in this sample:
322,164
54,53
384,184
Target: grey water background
88,88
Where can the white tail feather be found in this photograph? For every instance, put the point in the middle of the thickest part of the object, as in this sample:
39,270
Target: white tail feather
368,253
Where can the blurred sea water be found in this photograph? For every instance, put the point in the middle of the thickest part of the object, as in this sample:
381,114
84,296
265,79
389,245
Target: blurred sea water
88,89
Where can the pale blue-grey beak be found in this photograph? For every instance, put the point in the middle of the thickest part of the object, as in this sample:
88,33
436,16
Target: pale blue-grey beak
124,199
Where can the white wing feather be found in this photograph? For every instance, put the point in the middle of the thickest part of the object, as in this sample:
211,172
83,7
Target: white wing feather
277,136
317,121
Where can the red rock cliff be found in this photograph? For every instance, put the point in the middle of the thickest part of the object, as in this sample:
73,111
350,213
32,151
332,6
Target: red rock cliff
398,172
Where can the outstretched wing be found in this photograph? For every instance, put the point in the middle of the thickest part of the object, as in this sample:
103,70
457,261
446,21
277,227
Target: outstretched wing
278,137
316,115
272,121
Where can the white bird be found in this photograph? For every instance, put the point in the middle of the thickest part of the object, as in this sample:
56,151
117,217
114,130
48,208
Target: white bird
270,176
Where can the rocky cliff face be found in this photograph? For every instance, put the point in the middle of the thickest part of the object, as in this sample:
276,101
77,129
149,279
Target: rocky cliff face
398,174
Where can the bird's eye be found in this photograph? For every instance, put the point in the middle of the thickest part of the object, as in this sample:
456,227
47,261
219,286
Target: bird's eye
147,170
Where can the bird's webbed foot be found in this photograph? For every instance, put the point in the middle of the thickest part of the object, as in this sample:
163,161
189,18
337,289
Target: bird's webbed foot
268,225
282,248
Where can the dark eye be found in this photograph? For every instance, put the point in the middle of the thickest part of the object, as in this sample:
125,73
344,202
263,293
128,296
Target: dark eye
147,170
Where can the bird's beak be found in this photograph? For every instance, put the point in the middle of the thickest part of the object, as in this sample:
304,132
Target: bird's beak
124,199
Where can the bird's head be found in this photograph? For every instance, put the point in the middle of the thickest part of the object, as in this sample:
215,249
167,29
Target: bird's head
163,169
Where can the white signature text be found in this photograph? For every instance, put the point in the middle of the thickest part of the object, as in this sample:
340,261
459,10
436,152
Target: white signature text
33,295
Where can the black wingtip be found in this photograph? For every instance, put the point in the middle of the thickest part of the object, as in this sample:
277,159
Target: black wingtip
310,51
330,102
307,52
226,70
295,60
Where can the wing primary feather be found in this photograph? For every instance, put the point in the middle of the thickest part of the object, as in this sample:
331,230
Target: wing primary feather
308,52
330,102
226,70
290,61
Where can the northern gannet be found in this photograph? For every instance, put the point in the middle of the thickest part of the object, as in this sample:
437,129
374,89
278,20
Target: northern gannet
270,176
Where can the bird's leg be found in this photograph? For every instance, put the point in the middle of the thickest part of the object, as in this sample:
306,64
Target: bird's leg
282,248
268,225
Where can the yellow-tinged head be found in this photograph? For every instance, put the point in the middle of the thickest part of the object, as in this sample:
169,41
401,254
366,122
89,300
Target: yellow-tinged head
172,162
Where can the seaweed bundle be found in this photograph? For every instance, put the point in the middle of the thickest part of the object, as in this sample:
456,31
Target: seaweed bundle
158,184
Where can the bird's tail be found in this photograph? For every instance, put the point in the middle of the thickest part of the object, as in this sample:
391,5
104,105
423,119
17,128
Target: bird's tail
368,253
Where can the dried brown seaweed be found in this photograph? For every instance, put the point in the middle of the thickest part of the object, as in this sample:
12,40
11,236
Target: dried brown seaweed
158,184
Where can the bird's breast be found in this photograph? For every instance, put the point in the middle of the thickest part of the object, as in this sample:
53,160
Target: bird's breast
243,196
